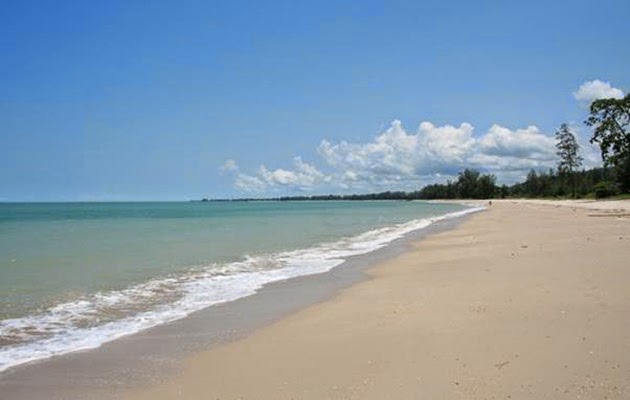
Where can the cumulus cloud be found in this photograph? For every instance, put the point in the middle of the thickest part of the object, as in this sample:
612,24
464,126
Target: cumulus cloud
398,159
229,166
528,142
397,156
248,183
391,153
433,151
302,176
447,145
596,89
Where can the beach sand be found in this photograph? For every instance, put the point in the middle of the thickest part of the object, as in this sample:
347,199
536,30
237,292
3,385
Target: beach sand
526,300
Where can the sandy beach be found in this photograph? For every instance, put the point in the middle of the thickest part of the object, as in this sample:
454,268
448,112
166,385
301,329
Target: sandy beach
525,300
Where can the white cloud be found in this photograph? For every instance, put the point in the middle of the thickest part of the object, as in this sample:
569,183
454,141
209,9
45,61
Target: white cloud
248,183
398,156
397,159
596,89
390,153
277,177
526,143
229,166
302,176
446,145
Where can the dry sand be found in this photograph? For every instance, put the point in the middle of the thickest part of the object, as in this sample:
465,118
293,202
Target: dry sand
523,301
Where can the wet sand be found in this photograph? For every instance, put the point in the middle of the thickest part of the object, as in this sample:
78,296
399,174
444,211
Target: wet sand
527,300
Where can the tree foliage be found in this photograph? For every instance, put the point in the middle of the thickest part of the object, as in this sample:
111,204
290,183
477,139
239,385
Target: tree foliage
467,183
470,184
567,148
611,120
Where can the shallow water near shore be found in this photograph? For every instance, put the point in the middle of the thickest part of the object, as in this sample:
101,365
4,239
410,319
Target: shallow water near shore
80,275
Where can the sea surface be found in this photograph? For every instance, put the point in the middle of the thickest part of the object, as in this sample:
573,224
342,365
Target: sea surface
76,275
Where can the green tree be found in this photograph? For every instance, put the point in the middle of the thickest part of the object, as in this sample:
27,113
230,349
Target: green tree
532,185
467,183
611,120
486,186
568,150
504,191
623,175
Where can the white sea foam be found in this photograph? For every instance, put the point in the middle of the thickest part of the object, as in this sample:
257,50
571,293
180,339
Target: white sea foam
102,317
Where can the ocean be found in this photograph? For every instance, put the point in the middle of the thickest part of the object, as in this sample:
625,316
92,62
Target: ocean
76,275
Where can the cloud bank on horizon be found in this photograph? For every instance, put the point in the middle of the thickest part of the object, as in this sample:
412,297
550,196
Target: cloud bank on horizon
398,159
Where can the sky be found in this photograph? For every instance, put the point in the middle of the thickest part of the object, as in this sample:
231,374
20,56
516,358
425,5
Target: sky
169,100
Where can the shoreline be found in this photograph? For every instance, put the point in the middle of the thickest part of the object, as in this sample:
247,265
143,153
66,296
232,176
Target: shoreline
152,355
525,300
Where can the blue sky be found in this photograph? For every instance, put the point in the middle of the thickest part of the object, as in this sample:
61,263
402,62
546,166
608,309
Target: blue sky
134,101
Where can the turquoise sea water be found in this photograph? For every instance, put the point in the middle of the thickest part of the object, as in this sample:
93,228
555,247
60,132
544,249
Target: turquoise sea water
75,275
